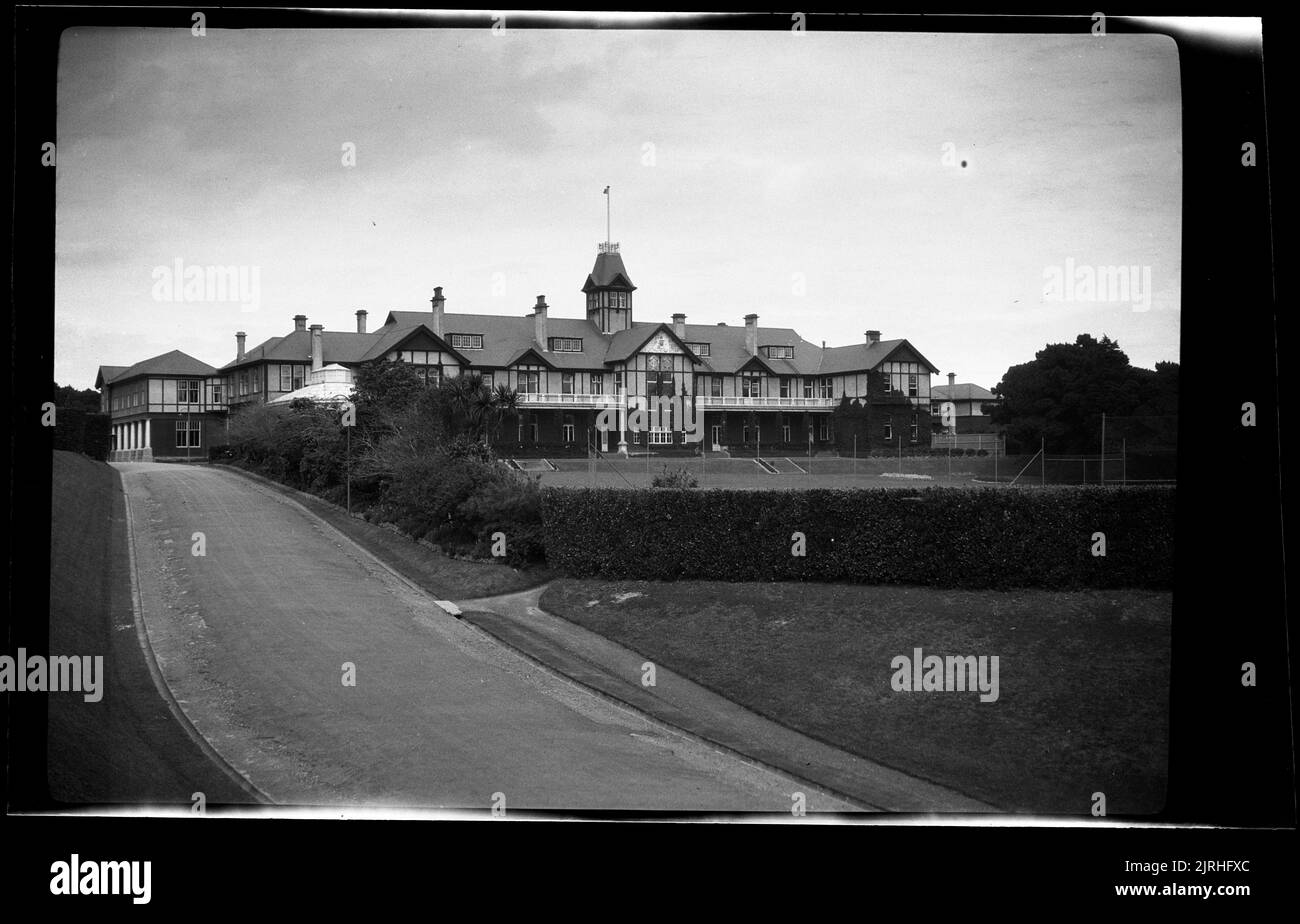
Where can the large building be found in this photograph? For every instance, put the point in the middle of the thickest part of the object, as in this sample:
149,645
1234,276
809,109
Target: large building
750,383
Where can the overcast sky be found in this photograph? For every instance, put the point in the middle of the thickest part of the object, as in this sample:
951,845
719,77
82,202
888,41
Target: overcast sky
798,176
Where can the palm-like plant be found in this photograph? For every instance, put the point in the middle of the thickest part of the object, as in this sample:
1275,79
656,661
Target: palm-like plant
503,401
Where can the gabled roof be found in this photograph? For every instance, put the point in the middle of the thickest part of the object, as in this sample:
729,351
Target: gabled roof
391,338
173,363
625,343
962,391
608,271
505,338
860,357
107,374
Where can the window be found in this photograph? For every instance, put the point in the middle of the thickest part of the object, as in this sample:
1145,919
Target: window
568,432
911,386
597,383
187,391
913,436
823,431
751,386
785,386
286,378
745,434
529,382
779,352
658,435
532,431
889,428
699,349
466,341
715,387
618,382
217,394
243,383
566,386
255,375
785,429
807,388
187,434
828,388
636,437
566,344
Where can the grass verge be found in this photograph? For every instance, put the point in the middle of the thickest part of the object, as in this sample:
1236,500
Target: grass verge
1083,677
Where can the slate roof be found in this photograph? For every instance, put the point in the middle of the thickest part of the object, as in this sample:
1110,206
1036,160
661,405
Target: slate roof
337,346
608,271
107,374
172,363
962,391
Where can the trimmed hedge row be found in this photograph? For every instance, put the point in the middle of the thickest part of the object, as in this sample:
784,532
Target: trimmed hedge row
988,538
79,431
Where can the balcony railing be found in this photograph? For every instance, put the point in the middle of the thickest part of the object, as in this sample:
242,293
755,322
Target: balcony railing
561,399
712,401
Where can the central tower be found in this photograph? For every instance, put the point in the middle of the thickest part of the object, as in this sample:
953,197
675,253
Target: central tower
609,291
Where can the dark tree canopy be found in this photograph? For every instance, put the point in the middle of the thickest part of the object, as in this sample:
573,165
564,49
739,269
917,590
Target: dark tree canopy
87,399
1062,394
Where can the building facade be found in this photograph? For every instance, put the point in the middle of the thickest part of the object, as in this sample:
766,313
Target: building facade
169,407
582,381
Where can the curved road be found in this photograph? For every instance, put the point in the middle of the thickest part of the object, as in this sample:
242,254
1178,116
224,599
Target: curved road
254,637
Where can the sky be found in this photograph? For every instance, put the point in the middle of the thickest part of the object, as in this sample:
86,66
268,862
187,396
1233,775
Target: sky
814,179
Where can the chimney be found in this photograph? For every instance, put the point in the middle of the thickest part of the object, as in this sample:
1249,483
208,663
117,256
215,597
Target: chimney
300,322
952,379
239,344
361,320
317,348
751,334
539,321
438,303
679,325
873,337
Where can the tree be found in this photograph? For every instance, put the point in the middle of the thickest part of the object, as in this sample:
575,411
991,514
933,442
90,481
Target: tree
1061,396
87,399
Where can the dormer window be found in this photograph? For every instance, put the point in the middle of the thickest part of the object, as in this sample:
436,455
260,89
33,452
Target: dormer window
466,341
566,344
699,349
778,352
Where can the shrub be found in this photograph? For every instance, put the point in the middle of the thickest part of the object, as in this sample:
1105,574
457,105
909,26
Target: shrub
937,537
676,478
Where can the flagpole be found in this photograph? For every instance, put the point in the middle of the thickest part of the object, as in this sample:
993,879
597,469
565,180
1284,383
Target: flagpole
607,210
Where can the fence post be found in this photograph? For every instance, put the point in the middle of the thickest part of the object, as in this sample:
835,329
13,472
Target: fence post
1103,447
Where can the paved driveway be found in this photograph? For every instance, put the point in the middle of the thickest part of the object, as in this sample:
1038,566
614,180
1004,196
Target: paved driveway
253,638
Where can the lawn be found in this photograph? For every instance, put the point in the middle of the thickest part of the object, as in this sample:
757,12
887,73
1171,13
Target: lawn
1083,677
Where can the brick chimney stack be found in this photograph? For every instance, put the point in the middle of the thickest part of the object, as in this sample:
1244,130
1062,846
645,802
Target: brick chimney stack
317,347
439,303
300,322
952,379
361,320
873,337
239,344
539,321
679,325
751,334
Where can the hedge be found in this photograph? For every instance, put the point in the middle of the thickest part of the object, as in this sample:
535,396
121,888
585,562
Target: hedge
78,431
985,538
